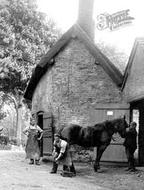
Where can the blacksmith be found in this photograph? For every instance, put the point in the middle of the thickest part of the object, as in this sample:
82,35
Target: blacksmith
130,144
62,154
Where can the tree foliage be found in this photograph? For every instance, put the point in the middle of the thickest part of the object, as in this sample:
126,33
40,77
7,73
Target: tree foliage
2,102
117,57
25,35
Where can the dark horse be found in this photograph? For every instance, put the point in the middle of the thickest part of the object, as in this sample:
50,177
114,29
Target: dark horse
99,135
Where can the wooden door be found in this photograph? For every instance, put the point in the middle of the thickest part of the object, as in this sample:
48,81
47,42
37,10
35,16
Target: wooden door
137,115
48,132
115,152
40,124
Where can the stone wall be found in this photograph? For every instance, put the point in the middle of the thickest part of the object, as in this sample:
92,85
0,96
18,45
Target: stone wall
77,90
73,87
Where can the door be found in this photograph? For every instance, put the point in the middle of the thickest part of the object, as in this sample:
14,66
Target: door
115,152
40,124
45,121
47,134
137,115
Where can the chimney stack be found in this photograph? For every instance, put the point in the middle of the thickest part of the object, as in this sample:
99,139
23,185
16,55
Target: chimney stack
85,15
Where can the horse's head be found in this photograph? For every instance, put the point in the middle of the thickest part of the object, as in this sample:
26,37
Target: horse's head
120,126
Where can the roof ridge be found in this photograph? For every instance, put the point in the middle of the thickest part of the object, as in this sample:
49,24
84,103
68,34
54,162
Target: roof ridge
74,31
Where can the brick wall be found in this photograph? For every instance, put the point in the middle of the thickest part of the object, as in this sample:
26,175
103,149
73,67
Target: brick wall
74,86
74,90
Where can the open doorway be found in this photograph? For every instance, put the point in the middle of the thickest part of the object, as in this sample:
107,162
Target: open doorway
45,121
40,124
137,115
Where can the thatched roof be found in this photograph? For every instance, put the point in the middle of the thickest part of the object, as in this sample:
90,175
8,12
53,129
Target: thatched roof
46,62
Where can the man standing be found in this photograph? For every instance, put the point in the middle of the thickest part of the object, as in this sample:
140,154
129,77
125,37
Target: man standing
130,144
61,153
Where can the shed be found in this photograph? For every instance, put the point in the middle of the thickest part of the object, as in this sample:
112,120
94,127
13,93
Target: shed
133,89
76,82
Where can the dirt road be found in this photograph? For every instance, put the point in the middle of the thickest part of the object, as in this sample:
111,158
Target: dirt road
17,174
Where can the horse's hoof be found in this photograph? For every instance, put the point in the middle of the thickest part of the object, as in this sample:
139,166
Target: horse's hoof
95,168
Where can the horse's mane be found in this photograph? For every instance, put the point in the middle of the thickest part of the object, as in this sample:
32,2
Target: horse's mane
106,125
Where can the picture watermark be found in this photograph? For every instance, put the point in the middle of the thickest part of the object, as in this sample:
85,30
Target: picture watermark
114,21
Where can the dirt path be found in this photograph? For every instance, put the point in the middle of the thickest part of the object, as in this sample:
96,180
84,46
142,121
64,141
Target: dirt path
17,174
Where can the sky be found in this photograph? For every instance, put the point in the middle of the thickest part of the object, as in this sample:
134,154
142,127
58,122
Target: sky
64,13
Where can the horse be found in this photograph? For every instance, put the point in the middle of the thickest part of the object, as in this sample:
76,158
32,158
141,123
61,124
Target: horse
98,135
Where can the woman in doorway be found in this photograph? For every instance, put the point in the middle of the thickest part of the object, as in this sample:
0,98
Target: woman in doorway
34,134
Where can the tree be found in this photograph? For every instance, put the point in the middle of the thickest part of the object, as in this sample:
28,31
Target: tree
25,36
117,57
2,112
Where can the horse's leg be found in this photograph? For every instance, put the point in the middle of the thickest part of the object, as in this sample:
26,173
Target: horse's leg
100,150
72,169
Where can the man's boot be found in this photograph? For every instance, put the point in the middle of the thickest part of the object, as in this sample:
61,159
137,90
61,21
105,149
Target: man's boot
65,168
132,166
72,169
37,162
54,168
31,161
129,166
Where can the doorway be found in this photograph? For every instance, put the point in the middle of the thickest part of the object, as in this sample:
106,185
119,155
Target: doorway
45,121
137,115
40,124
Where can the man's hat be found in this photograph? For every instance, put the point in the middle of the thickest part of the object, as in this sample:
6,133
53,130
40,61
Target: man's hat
57,135
133,123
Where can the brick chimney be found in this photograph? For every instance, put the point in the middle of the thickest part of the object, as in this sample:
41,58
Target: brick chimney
85,15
